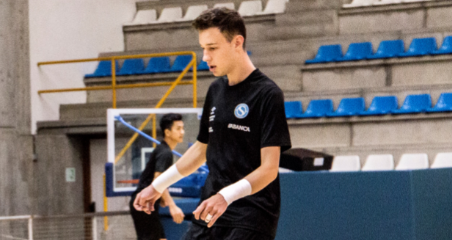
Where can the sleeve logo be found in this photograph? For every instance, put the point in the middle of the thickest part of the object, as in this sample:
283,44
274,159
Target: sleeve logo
241,111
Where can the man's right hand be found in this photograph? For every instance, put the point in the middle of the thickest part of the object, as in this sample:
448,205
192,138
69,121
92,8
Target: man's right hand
146,199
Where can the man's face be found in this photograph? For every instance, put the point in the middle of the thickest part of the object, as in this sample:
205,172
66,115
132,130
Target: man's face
218,51
177,132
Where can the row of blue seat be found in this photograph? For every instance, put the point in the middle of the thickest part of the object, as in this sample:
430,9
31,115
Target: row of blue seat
380,105
155,65
137,66
386,49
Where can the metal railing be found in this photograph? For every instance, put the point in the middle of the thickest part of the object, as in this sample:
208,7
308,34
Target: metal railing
113,87
87,226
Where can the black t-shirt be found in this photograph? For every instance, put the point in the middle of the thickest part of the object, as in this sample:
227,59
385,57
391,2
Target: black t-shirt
238,121
160,160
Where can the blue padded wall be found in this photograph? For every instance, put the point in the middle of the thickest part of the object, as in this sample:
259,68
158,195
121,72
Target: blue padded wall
396,205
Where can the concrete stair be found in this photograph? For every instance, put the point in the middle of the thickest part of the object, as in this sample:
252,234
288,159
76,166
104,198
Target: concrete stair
396,150
98,110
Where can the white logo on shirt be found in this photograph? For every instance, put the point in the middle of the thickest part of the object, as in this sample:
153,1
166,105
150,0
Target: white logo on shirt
210,129
212,114
241,111
238,127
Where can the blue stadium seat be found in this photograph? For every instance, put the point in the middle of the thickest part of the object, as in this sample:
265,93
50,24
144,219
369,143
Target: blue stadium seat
420,47
349,107
318,108
202,66
293,109
381,105
180,63
132,67
446,48
415,104
327,53
388,49
444,103
158,65
103,69
357,51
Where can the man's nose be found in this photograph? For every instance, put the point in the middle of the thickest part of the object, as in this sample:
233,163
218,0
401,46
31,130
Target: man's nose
206,57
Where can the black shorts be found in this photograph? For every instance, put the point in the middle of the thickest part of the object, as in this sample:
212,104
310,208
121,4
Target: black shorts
197,232
147,227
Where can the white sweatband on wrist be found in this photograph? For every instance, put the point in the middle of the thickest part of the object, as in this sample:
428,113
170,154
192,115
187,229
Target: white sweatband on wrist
235,191
166,179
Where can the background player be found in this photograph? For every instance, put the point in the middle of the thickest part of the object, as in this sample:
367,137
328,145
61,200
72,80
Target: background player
243,130
148,227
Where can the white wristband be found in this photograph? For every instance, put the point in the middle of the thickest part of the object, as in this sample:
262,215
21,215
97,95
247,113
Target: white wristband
235,191
166,179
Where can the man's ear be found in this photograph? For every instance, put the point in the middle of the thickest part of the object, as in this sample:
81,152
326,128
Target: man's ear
238,41
167,132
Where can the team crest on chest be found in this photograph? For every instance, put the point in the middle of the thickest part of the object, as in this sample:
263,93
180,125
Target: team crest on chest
241,111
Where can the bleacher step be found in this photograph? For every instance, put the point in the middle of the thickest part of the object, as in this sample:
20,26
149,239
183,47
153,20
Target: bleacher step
299,31
99,109
305,5
307,17
396,150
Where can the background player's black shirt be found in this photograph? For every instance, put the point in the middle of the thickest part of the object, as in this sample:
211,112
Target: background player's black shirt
160,160
238,121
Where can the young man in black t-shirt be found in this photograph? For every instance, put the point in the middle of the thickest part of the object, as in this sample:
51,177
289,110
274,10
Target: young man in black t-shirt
243,130
148,227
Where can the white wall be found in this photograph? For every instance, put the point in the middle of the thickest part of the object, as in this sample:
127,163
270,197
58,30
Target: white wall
70,29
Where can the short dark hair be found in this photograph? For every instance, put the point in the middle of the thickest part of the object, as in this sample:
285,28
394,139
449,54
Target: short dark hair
227,20
167,121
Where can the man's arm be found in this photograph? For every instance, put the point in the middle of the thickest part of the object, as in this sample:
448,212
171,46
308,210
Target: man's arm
192,159
266,173
175,211
187,164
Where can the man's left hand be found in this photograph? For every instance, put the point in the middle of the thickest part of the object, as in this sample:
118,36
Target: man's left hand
213,207
177,214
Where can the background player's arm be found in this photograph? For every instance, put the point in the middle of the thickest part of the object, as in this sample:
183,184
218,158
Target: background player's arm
187,164
175,211
258,179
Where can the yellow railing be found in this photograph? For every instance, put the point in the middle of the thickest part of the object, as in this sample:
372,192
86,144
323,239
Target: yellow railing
113,86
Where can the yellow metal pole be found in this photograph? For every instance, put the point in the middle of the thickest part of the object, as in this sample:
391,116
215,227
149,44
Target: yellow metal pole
135,135
113,80
195,100
105,204
117,57
123,86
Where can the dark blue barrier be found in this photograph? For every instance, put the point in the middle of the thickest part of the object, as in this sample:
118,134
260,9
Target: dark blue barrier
396,205
173,230
187,205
